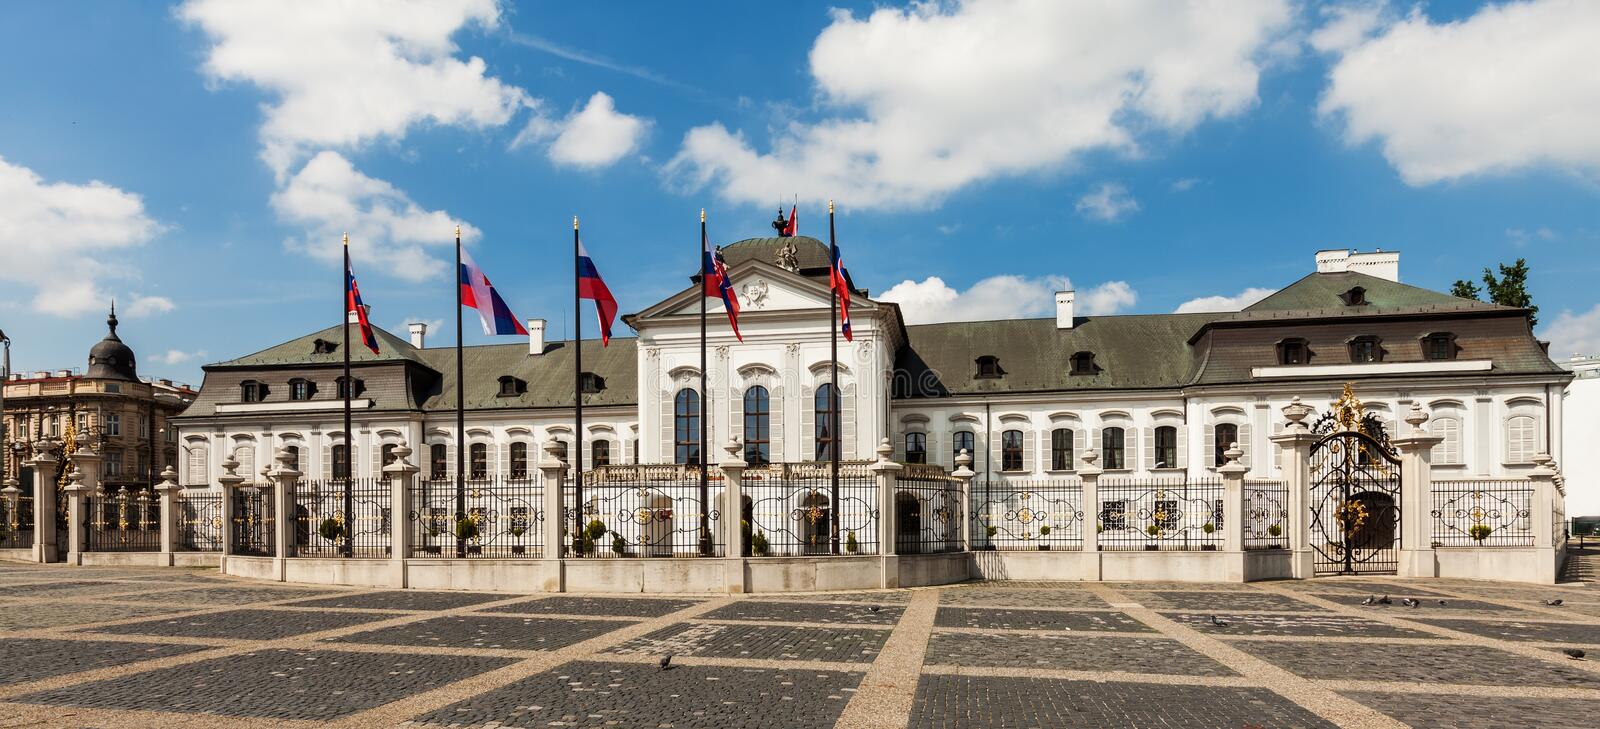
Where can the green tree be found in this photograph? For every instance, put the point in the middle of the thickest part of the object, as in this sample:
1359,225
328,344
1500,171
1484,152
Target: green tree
1510,288
1466,289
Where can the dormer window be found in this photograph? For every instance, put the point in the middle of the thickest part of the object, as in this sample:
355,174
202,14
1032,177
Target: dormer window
1294,351
252,391
1439,346
300,389
989,367
511,386
591,383
1083,363
1366,349
323,346
1356,296
340,384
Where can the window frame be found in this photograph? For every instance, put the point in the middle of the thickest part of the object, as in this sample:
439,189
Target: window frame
518,457
299,389
339,470
1120,461
825,402
1083,363
1220,445
916,444
955,444
757,420
251,391
1357,344
1288,344
686,447
478,461
599,452
1062,457
1171,447
438,461
1443,343
1011,451
989,368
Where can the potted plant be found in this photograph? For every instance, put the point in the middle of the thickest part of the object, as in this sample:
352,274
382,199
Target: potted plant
1480,532
758,544
1275,531
331,529
1044,531
1154,530
1209,529
990,531
619,546
850,543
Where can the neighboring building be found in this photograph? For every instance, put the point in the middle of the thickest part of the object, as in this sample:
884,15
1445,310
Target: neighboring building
124,418
1152,394
1580,460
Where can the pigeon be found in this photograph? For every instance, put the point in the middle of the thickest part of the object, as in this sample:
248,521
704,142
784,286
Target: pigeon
1554,603
1370,599
1576,653
1408,602
1441,602
1385,600
666,662
1219,622
874,609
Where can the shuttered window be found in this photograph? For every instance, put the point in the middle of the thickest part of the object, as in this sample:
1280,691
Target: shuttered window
916,447
1111,447
686,427
964,440
1061,449
1522,439
1166,447
1011,450
1224,436
825,404
757,426
1448,451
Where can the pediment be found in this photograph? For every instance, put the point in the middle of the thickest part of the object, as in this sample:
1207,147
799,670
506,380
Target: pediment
761,287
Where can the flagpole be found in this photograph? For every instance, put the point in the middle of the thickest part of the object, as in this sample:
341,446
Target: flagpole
461,416
577,391
349,387
835,406
705,394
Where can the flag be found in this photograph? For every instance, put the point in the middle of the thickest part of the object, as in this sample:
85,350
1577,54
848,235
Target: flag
839,283
714,271
591,286
793,226
478,293
352,302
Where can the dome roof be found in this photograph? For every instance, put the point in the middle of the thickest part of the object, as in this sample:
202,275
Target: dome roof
110,359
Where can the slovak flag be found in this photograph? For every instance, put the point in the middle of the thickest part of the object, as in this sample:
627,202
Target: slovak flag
791,228
714,271
478,293
590,286
352,302
839,283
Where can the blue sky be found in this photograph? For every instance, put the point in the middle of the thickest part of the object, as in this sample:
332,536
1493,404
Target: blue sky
197,161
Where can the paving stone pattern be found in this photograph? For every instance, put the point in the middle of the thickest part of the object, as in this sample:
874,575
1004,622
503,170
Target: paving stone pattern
1215,601
1424,711
488,631
808,612
1460,664
1037,620
1002,597
1321,625
959,702
246,624
634,607
1574,633
853,645
211,596
403,600
29,659
1071,652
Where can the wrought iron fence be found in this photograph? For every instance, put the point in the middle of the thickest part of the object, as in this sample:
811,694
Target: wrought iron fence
793,510
199,521
342,518
500,519
124,520
16,522
1026,515
1483,513
645,511
927,511
1160,514
1266,514
253,520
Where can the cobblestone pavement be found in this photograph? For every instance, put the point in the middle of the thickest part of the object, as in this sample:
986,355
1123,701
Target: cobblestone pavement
176,648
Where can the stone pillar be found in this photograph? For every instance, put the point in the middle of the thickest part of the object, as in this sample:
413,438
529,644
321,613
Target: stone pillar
1232,525
45,476
401,473
13,499
1416,556
230,482
964,474
168,491
77,496
1296,441
283,481
1544,500
886,472
733,465
556,519
1089,474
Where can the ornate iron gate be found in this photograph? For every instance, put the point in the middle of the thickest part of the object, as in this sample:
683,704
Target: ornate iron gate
1355,493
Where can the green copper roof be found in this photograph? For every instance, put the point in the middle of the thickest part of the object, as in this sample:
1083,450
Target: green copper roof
1320,292
809,253
303,350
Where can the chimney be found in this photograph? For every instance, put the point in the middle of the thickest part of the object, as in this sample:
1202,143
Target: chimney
351,318
1379,263
535,336
1064,301
419,333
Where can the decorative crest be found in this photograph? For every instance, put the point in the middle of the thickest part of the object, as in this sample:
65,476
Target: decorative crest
1349,415
1347,410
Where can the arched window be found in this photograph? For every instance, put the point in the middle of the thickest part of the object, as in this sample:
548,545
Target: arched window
963,440
1448,451
1224,436
519,460
252,391
341,461
437,461
1111,448
826,404
757,426
1061,449
1522,439
1011,450
686,427
916,447
1166,446
600,453
478,460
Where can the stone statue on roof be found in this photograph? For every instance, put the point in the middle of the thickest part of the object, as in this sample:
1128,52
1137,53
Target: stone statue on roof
788,256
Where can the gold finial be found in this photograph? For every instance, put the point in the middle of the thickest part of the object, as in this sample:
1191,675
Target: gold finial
830,206
458,231
347,240
1348,410
574,222
702,215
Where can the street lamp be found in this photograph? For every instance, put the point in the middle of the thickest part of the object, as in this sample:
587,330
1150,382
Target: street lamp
5,431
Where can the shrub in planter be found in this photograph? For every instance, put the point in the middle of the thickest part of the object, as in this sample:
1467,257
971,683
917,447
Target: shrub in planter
758,544
619,546
1208,528
331,529
1480,532
1153,530
1044,531
516,531
850,543
990,532
595,529
1275,530
466,528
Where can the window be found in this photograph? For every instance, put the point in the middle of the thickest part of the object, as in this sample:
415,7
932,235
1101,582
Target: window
510,386
341,461
916,447
1439,346
1356,296
387,453
1365,349
299,389
252,391
989,367
591,383
1448,451
113,387
437,461
757,426
1111,447
1166,454
1011,450
144,426
1083,363
1294,352
113,462
323,346
1522,439
1224,435
635,451
519,460
83,422
360,387
686,427
197,469
1061,449
600,453
294,457
113,424
478,456
561,451
826,405
964,441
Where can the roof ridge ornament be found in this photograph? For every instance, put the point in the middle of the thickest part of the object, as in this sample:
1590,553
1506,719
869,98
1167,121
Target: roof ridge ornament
789,256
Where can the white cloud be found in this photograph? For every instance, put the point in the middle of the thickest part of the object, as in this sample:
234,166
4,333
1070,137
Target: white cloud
177,356
1224,303
1000,297
1512,87
922,101
1347,26
1520,237
55,238
1573,333
147,305
329,196
595,136
1107,203
1185,184
346,73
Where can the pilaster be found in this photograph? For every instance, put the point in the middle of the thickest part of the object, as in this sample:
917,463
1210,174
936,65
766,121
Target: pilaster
167,491
556,519
45,476
401,473
1296,441
1416,555
886,472
734,526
